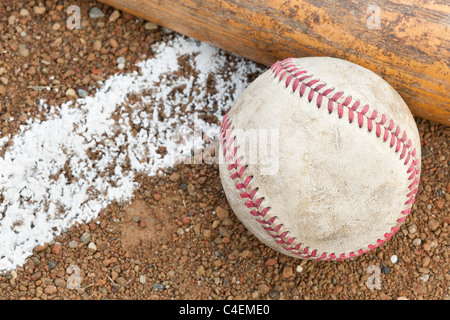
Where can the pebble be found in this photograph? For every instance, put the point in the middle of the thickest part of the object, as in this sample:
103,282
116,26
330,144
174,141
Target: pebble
50,289
271,262
97,45
24,12
82,93
73,244
424,278
121,66
142,279
433,224
114,16
426,261
185,219
412,229
288,272
51,264
417,242
385,269
440,203
85,237
150,26
299,269
57,248
120,60
39,10
92,246
23,51
394,258
158,286
96,13
71,93
174,177
222,213
264,288
121,280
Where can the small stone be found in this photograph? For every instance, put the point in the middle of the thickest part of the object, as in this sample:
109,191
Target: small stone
424,278
40,248
121,280
113,42
142,224
440,203
114,16
73,244
121,66
12,20
97,45
57,248
183,260
222,213
207,233
394,258
263,288
174,177
158,286
120,60
157,196
24,12
39,10
150,26
246,253
402,298
59,282
185,219
52,264
23,51
385,269
96,13
412,229
426,261
433,224
71,93
288,272
299,269
50,289
417,242
82,93
271,262
142,279
92,246
85,237
201,270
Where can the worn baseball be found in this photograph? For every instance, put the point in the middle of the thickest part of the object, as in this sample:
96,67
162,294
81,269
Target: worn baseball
320,158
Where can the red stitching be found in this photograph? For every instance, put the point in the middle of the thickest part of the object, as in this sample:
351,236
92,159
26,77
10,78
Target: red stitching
286,67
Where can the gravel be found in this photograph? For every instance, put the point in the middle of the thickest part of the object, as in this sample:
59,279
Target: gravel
186,242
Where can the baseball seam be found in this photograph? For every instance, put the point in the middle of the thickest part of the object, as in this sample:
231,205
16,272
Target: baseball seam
365,116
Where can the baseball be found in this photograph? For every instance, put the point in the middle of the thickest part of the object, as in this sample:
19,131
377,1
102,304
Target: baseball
320,158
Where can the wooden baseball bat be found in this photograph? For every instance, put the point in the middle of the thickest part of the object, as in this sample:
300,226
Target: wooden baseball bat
407,42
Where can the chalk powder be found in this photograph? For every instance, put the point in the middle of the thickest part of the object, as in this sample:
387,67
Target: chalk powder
38,201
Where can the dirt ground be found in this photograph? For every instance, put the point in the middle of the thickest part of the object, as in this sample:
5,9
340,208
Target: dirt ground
179,239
